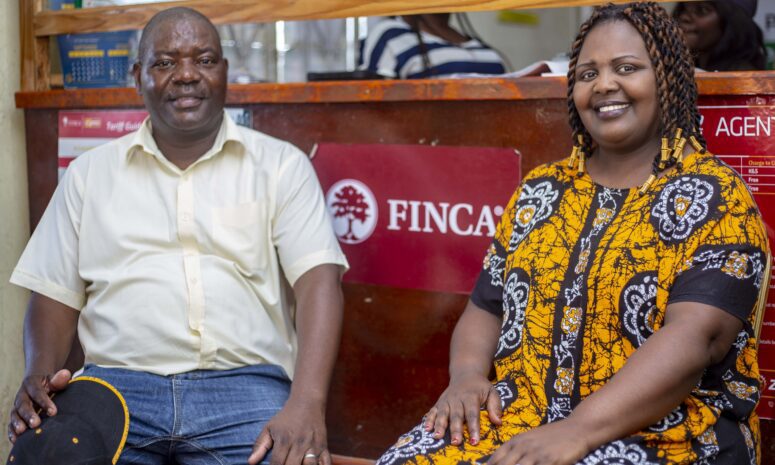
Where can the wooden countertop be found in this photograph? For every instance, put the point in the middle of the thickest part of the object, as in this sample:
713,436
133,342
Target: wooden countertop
530,88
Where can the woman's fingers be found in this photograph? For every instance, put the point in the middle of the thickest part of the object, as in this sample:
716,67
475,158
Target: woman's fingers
429,420
472,408
456,417
442,420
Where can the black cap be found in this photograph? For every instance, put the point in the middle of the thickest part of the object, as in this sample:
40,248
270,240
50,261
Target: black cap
90,428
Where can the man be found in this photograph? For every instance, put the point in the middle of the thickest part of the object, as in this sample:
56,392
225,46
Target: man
169,248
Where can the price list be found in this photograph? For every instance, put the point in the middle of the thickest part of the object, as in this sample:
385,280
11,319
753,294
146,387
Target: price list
757,171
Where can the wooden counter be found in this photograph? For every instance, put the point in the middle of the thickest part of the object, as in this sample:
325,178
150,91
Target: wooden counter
533,88
393,362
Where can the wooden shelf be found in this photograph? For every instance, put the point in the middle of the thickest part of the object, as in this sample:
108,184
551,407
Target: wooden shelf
39,23
750,83
117,18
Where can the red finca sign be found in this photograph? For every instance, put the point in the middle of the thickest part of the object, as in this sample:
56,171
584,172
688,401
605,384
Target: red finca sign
415,216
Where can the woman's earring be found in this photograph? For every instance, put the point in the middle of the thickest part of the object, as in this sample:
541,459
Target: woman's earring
577,155
582,159
646,185
696,144
678,146
664,155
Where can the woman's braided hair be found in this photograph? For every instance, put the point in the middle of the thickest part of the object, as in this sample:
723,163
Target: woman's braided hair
673,67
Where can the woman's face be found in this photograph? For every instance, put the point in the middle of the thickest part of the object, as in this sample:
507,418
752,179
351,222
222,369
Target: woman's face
701,24
616,89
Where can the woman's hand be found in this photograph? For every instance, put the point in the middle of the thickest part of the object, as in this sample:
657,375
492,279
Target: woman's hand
461,402
560,443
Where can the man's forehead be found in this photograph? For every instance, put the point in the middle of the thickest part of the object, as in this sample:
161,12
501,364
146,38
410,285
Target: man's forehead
170,32
171,28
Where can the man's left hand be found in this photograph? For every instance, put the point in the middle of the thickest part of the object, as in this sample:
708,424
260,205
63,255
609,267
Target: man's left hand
560,443
294,435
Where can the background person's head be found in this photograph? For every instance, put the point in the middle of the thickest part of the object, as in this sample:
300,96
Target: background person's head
722,34
181,73
673,92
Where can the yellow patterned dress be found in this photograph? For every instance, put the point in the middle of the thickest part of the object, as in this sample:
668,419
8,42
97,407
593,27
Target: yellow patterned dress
581,275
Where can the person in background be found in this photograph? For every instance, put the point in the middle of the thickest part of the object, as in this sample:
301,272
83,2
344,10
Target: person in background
617,301
426,46
722,34
178,251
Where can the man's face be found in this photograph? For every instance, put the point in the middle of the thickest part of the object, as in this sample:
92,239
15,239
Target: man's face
182,77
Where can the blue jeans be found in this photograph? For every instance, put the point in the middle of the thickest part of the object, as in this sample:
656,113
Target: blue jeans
201,417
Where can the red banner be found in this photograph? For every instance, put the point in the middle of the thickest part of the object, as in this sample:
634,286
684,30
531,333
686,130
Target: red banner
416,216
99,124
741,131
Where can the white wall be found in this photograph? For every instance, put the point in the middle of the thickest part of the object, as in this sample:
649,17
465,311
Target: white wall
524,44
14,221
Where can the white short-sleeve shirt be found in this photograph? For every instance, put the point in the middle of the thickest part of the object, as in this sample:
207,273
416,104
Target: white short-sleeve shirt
177,270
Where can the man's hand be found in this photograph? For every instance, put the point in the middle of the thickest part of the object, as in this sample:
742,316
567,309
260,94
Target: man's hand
461,402
32,398
297,431
560,443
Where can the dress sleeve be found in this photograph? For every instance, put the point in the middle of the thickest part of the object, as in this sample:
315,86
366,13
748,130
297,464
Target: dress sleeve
724,266
488,290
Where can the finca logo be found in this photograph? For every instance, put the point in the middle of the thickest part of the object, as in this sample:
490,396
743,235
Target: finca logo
354,210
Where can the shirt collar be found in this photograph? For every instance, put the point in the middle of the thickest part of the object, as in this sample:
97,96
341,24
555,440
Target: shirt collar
143,141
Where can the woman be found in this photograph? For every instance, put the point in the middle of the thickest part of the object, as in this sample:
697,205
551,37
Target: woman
426,46
616,300
722,34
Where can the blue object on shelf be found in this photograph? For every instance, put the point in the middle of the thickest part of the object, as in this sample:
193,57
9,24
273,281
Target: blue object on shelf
96,59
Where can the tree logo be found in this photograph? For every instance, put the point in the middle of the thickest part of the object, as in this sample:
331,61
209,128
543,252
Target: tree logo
354,210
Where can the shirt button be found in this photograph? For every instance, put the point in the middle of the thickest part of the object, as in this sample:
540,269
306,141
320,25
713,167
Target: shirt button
185,217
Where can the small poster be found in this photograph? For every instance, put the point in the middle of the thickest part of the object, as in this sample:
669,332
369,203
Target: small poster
80,131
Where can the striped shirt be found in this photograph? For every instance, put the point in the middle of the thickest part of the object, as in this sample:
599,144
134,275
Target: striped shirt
392,50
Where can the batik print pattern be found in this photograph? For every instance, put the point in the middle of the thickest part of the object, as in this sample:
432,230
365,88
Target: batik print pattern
639,307
733,263
515,296
684,205
536,202
494,264
415,442
619,453
585,275
573,303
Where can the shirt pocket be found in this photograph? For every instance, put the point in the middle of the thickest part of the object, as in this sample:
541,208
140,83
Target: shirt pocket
241,235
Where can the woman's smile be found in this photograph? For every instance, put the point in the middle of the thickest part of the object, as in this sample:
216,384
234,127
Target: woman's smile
611,110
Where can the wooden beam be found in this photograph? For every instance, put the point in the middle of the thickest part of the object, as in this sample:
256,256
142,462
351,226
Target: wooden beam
34,49
126,17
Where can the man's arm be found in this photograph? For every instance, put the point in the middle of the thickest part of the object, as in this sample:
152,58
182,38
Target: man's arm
300,427
49,335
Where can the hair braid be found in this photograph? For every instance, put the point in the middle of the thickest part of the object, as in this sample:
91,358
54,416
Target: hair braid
575,121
